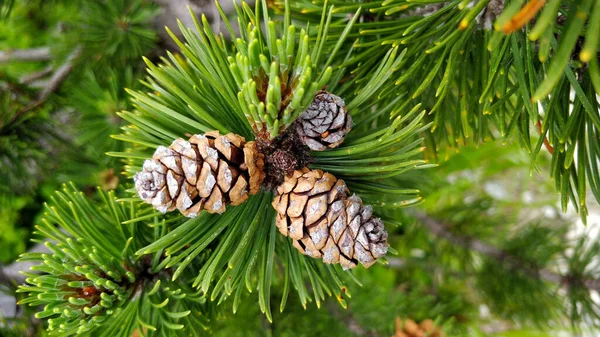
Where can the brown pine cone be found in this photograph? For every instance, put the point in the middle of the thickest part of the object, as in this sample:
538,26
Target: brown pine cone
325,123
314,210
207,172
410,328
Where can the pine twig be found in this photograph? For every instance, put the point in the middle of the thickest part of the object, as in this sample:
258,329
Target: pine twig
396,262
546,142
60,74
29,78
399,264
592,284
53,84
26,55
441,230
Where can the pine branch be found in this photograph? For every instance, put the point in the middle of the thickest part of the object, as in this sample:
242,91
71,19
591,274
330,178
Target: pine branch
396,262
60,74
90,274
26,55
592,284
402,264
542,59
53,84
441,230
35,76
253,80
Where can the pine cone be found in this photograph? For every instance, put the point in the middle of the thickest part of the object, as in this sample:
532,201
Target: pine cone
325,123
314,210
411,329
207,172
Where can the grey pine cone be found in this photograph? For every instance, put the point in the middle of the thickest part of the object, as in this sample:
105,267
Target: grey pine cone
325,123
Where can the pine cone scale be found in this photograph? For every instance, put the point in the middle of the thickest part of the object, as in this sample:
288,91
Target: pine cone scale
190,169
315,209
225,176
173,183
238,192
296,229
338,228
297,205
206,181
319,234
331,253
280,203
254,163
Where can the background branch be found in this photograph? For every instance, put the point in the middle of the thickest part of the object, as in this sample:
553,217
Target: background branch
26,55
60,74
441,230
34,76
52,85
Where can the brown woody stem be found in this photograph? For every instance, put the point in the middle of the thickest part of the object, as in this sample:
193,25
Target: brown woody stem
546,142
523,16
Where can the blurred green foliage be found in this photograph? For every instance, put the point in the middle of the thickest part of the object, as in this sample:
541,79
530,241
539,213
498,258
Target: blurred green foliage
13,235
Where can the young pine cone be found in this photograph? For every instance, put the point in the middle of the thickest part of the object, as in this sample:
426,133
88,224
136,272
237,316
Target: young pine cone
411,329
207,172
314,210
325,123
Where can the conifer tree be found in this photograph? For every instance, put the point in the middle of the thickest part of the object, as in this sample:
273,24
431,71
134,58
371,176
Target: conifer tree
402,157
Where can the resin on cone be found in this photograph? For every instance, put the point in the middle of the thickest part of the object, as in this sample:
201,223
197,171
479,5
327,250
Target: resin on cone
206,172
313,208
325,122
